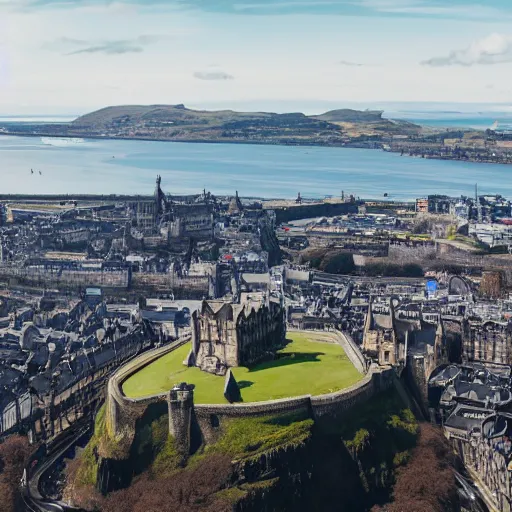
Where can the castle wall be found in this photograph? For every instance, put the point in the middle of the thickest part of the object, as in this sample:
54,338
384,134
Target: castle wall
123,412
451,254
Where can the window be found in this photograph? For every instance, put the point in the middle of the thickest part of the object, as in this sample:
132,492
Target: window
386,356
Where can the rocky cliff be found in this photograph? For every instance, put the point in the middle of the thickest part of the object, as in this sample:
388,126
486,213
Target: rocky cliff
276,463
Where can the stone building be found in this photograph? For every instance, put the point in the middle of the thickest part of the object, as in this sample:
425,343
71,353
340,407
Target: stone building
380,341
171,219
480,434
405,335
489,341
226,335
191,221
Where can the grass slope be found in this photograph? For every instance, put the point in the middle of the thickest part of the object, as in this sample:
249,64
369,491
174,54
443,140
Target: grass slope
302,367
248,437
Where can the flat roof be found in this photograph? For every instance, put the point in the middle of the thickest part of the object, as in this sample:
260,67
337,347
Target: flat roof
93,291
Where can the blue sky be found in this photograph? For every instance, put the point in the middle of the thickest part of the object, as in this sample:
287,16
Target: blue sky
77,55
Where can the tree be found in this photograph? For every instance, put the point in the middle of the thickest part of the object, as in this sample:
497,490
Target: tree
14,454
427,482
338,263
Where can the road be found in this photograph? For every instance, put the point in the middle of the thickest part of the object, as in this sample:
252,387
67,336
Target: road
470,496
32,498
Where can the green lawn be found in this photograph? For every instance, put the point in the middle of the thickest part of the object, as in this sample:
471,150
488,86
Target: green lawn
304,367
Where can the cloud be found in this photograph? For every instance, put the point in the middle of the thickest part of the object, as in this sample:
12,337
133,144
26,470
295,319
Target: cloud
110,48
70,46
493,49
213,75
444,9
350,64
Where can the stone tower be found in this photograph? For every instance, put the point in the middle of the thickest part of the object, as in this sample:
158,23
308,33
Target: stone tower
181,403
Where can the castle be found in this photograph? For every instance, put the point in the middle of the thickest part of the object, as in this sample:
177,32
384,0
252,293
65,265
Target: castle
226,335
187,217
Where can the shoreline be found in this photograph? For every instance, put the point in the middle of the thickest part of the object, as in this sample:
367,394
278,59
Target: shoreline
194,141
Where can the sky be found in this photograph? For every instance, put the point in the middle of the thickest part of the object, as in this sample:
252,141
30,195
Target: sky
74,56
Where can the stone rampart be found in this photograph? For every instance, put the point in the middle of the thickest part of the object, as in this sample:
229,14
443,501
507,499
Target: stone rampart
120,409
294,404
352,350
122,412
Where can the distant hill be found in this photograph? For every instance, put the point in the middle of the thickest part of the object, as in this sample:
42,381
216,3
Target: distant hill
347,115
178,114
179,123
176,122
182,115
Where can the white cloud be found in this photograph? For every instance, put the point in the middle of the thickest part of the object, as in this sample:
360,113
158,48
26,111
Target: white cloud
213,75
199,52
493,49
350,63
470,11
70,46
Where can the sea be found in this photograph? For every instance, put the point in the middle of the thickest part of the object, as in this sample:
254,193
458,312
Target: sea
455,120
41,165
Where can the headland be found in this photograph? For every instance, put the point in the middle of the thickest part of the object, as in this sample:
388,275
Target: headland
336,128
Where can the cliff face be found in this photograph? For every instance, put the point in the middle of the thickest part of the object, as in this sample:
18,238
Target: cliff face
278,463
254,460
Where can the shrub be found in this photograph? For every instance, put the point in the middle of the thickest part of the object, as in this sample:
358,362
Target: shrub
360,441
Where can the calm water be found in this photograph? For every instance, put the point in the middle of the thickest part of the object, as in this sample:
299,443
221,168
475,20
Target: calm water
456,120
130,167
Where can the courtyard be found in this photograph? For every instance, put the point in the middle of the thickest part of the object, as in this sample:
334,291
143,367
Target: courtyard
305,366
